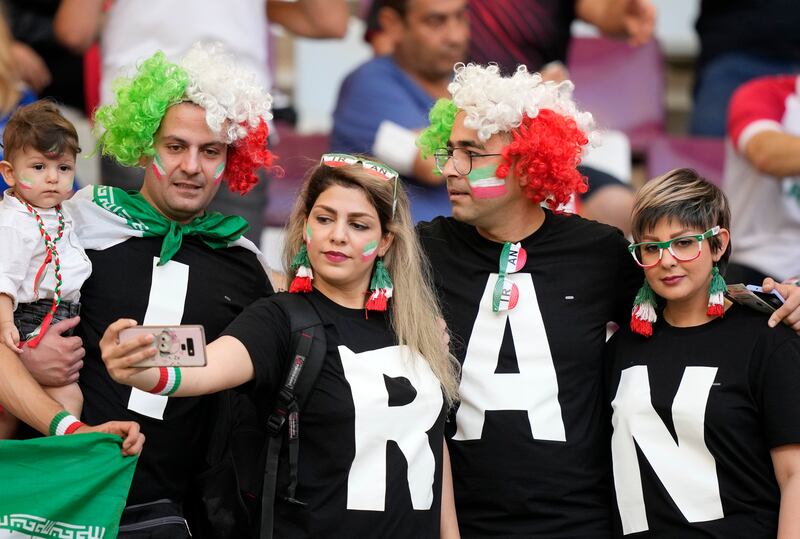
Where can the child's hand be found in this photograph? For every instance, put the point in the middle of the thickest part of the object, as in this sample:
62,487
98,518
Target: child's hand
10,335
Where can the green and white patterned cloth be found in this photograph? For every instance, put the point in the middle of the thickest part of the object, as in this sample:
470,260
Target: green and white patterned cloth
69,487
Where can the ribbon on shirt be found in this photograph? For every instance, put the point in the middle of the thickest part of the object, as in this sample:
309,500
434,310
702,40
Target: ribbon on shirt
506,293
32,339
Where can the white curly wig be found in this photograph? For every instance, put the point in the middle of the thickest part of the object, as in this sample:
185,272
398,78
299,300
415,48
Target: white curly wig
495,104
228,92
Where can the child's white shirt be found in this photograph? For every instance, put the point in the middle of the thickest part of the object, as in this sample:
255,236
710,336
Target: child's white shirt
22,252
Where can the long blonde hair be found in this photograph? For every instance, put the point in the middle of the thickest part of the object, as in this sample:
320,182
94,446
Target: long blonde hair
9,75
415,312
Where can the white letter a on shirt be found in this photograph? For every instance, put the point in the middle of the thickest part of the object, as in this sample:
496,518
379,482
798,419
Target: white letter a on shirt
534,389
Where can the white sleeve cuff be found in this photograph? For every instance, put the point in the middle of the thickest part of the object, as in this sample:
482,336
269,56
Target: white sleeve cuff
753,129
396,146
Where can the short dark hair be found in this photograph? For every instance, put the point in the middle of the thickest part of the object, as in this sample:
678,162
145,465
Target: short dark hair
684,196
400,6
40,126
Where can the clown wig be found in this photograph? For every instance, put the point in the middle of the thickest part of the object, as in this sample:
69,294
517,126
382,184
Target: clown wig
548,131
236,107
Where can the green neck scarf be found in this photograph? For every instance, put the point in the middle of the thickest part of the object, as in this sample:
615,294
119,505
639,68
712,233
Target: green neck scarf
214,229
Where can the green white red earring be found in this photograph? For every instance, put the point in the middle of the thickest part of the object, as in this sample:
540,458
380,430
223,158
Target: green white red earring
380,288
643,315
716,294
303,276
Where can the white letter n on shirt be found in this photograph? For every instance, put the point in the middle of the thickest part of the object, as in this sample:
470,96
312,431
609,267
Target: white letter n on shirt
534,389
686,469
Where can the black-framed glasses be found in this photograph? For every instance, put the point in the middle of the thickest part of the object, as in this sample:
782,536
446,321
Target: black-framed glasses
683,249
377,169
462,159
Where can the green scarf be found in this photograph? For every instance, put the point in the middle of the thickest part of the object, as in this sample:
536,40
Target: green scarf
214,229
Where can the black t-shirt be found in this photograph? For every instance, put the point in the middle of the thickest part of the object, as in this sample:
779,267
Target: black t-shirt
696,412
548,475
371,430
765,27
218,283
514,32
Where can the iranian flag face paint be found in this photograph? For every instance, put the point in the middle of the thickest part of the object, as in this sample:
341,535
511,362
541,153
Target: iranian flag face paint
25,183
158,167
485,184
220,170
370,250
308,233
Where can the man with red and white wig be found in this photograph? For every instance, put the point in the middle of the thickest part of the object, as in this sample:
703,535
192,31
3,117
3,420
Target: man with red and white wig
527,292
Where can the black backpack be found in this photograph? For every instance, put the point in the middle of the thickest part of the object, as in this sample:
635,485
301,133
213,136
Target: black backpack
243,453
309,346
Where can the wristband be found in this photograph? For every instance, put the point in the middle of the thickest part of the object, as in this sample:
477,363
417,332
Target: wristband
396,146
169,380
64,423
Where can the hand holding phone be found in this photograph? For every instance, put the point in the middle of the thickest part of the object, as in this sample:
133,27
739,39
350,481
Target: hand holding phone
754,297
176,346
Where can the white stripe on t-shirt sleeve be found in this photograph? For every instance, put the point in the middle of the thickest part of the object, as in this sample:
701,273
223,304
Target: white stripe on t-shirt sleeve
753,129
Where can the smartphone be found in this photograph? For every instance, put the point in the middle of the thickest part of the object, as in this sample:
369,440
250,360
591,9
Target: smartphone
754,297
774,298
176,346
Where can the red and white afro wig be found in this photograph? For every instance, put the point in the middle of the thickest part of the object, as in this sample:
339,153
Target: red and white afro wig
236,106
549,132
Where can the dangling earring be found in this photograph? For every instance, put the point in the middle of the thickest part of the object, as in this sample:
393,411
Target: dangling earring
716,297
303,274
380,288
643,315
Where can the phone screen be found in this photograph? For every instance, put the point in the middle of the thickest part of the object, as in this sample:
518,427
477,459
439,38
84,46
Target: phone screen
773,301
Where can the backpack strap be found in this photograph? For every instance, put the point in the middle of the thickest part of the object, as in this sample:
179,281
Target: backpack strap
308,349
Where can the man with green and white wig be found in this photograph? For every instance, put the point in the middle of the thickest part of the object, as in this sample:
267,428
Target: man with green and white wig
162,259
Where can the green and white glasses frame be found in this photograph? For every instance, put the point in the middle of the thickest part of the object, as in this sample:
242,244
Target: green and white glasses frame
684,248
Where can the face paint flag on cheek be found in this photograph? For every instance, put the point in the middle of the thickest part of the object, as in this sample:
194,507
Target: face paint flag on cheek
308,233
485,184
25,183
369,250
158,167
220,170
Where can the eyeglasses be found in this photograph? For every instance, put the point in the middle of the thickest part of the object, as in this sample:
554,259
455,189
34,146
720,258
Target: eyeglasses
462,159
377,169
684,249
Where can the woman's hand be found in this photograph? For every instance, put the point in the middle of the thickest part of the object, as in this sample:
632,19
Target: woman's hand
120,357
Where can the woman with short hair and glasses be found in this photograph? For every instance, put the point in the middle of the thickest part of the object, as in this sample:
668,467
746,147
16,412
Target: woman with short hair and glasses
705,397
372,460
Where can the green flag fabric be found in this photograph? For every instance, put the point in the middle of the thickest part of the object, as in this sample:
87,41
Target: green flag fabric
216,230
106,216
68,487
